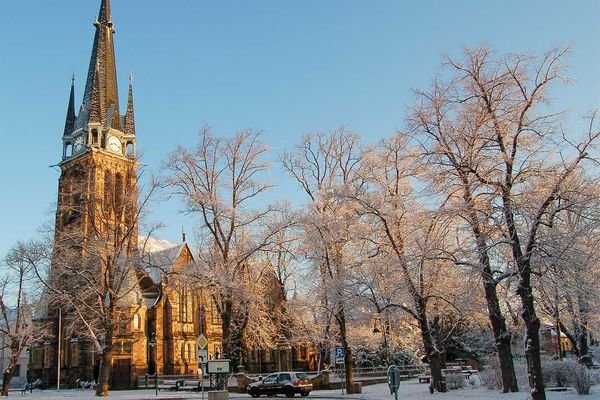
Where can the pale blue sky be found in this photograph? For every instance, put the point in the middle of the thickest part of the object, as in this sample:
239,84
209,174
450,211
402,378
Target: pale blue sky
286,67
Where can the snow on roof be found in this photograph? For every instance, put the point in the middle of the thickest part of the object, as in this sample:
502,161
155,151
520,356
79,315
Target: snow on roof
159,255
151,244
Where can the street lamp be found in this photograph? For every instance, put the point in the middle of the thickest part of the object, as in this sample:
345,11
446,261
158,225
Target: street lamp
152,344
384,326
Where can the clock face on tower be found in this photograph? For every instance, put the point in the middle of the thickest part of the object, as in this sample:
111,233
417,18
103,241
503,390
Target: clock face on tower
114,144
78,144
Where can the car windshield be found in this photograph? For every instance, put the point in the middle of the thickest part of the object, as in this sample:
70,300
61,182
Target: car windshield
270,379
302,376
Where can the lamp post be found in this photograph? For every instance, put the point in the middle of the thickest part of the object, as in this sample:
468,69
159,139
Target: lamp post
379,321
152,343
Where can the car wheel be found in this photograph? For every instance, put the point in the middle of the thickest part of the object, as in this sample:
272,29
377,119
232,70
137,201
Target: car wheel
289,392
254,392
304,394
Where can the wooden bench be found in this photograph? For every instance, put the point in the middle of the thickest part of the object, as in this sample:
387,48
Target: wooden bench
192,384
23,390
168,385
424,378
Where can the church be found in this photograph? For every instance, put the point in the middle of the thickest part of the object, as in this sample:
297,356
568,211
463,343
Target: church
154,316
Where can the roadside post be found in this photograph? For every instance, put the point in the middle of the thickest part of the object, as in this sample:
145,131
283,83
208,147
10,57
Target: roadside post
339,358
219,368
393,373
202,342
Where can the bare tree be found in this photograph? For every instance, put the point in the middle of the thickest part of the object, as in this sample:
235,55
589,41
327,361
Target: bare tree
323,164
19,299
452,141
219,181
416,239
568,258
97,266
522,158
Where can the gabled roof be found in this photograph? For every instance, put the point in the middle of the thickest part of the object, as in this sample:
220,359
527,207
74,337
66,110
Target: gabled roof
160,256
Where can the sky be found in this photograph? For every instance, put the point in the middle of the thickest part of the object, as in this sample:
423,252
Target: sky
283,67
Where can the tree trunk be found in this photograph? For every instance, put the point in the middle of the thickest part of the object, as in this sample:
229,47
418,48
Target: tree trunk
532,337
105,365
434,356
581,326
525,292
6,377
437,379
349,376
502,337
226,326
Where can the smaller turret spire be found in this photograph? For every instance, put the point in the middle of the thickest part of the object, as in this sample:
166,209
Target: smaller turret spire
70,120
129,115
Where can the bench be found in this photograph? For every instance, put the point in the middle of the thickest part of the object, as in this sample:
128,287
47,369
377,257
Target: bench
168,385
424,378
23,390
192,384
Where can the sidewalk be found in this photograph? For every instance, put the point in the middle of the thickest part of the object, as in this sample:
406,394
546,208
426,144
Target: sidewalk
411,390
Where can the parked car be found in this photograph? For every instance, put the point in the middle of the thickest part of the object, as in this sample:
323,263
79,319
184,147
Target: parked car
589,361
288,383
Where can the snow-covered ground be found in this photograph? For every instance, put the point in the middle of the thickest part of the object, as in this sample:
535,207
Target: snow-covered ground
411,390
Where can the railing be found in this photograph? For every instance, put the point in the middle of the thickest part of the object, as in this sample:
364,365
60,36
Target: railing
408,370
147,381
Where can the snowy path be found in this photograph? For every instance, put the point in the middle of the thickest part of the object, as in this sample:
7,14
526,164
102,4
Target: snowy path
411,390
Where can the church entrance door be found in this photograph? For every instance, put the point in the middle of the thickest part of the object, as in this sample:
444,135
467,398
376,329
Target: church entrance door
121,374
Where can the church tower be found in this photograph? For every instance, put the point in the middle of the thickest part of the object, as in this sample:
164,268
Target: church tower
96,231
111,300
97,187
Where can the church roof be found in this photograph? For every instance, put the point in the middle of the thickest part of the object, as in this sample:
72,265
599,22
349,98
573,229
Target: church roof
160,256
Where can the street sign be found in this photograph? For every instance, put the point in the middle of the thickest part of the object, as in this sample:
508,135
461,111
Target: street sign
202,341
202,356
339,355
218,366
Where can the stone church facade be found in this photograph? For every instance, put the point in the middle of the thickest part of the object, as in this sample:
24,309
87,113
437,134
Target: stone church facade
164,314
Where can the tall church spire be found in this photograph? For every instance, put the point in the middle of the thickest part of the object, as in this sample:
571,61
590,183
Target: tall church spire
104,13
70,120
102,74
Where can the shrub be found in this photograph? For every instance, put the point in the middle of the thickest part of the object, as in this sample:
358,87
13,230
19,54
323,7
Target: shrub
582,380
558,372
455,381
491,376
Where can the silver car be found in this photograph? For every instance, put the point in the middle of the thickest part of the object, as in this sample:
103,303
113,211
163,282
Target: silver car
288,383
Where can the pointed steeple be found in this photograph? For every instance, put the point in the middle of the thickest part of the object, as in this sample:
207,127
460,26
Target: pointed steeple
70,120
102,74
129,115
104,13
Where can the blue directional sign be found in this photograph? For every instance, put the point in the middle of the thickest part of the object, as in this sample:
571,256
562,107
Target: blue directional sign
339,355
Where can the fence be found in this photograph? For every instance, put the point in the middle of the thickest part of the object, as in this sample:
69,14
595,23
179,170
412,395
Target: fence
406,370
